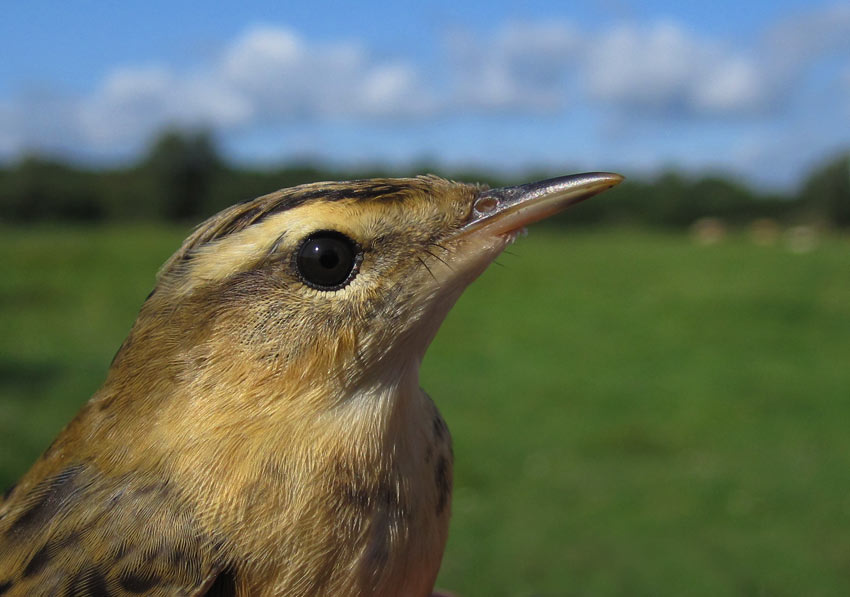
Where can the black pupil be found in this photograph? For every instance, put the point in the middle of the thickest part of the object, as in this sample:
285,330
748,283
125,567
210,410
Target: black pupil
326,260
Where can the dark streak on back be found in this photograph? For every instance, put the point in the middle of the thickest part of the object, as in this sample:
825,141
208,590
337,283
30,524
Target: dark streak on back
44,501
140,581
224,585
37,562
444,486
89,582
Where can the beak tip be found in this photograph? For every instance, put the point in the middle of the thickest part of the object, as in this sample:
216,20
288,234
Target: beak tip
612,178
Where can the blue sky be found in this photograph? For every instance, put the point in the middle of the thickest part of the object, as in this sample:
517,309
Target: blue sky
758,89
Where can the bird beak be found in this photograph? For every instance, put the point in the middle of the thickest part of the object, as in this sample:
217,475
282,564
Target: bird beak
504,210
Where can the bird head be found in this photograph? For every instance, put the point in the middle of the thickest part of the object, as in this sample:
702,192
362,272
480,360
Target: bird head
322,290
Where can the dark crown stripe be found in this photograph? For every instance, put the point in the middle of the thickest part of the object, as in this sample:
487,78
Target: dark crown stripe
243,215
338,192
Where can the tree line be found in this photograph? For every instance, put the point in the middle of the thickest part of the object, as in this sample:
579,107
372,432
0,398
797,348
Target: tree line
184,178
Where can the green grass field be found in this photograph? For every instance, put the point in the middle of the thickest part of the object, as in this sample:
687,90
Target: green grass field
632,414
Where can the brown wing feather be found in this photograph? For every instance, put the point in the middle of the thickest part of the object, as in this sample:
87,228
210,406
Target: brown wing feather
79,532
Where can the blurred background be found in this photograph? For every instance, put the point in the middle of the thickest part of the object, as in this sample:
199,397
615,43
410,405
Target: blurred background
651,397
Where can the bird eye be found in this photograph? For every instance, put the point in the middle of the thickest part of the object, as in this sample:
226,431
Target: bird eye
327,260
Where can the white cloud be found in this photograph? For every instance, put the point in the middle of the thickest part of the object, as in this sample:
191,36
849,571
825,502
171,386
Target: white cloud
795,42
733,84
393,89
268,74
39,121
524,66
132,102
283,76
665,67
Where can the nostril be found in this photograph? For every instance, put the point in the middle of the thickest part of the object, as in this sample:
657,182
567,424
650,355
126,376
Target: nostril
484,205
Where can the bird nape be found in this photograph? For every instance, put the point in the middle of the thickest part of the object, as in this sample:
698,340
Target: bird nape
261,431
